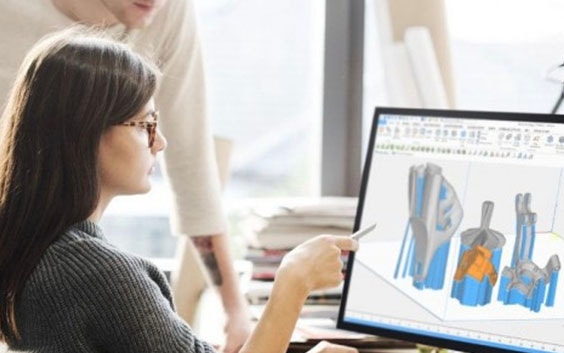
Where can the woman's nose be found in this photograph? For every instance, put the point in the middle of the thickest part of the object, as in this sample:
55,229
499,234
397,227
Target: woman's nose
160,142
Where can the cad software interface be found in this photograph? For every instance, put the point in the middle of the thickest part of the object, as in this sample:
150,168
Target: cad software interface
470,235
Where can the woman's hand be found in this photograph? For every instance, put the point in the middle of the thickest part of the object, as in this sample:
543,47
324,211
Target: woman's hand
327,347
316,263
312,265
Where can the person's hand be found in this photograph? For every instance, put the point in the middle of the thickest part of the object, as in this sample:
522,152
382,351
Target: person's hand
316,263
327,347
237,331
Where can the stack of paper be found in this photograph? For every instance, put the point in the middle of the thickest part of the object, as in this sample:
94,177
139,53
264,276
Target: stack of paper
258,292
285,225
276,227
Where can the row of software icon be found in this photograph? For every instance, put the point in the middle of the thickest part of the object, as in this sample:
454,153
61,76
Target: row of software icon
429,132
454,151
514,137
518,137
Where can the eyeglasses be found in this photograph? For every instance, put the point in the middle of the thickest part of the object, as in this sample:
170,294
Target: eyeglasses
151,126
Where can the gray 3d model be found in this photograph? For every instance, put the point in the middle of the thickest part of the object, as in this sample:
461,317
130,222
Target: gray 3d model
533,273
484,236
434,215
525,219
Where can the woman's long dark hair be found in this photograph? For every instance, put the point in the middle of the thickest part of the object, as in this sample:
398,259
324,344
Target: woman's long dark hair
72,86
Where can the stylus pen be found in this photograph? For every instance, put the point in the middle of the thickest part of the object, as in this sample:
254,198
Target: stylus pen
362,232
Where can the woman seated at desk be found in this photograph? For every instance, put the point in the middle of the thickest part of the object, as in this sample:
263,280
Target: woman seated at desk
80,128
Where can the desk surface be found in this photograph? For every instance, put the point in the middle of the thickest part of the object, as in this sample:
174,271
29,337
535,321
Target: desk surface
315,325
294,348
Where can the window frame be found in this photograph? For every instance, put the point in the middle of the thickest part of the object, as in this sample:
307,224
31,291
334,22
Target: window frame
341,142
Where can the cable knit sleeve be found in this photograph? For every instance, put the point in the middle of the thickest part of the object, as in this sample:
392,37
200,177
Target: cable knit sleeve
128,306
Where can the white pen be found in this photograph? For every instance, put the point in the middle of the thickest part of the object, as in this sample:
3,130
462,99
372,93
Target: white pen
362,232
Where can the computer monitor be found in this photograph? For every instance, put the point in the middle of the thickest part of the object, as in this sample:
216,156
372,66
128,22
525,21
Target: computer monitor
470,236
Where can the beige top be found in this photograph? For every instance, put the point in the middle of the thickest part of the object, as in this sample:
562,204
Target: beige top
172,41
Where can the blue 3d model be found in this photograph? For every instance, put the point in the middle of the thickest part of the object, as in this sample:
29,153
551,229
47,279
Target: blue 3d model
478,262
435,214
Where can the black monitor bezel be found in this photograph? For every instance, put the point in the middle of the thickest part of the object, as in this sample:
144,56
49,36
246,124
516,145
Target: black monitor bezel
441,113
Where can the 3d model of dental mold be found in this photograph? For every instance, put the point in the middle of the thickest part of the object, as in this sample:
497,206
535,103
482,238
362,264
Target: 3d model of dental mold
528,285
524,282
435,214
478,262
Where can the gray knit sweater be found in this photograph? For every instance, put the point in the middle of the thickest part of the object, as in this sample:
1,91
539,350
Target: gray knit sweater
88,296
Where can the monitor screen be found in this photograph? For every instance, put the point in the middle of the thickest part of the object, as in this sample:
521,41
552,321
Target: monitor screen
469,241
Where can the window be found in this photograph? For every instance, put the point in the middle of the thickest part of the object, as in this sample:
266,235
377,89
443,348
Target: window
264,61
502,50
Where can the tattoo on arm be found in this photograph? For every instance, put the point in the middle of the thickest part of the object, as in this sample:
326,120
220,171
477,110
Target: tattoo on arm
205,247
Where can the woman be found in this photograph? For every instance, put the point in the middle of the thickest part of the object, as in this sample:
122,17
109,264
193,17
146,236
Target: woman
80,128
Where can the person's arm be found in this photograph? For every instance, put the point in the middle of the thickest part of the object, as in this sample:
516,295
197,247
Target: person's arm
189,159
312,265
217,258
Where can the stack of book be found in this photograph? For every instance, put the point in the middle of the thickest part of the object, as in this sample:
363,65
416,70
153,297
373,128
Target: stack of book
273,229
258,293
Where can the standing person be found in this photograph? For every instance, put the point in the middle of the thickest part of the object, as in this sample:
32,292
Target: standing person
79,128
165,30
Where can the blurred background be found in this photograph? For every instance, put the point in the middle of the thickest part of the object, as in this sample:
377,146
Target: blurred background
293,85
